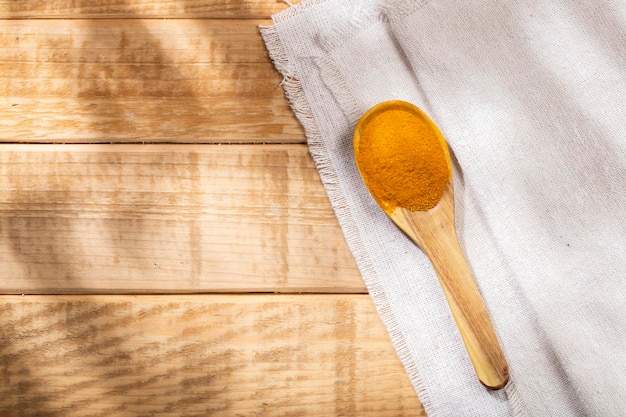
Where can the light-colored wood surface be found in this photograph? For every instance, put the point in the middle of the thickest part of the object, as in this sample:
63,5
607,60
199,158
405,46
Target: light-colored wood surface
129,9
221,355
140,80
159,218
187,214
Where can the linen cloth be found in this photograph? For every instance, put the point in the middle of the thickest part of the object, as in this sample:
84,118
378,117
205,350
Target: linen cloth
531,97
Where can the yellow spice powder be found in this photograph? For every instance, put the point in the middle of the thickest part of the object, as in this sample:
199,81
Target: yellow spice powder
402,161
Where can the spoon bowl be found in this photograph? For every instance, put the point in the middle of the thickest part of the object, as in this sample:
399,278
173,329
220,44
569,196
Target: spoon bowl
432,227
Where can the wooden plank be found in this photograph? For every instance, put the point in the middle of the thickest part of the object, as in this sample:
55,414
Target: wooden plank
168,218
268,355
140,81
66,9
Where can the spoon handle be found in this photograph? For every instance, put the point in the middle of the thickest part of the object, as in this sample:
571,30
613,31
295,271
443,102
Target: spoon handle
469,312
436,235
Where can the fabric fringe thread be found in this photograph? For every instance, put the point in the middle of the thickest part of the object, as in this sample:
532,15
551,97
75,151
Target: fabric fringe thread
297,99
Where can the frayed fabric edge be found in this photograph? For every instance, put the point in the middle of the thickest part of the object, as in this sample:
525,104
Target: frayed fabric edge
297,99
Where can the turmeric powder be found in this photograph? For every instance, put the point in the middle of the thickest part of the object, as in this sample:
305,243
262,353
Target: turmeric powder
402,157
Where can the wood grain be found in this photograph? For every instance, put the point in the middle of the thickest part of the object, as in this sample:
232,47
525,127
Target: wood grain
226,355
201,9
189,81
177,218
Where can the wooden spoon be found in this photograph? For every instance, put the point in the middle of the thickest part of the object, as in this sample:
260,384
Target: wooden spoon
433,230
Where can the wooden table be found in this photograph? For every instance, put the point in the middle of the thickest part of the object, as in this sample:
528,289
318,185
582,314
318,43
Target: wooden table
166,246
